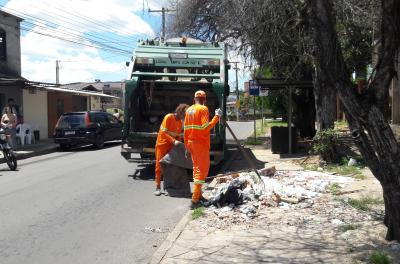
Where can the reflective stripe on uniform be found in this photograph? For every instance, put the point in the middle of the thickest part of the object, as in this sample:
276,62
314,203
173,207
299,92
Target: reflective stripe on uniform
169,132
199,182
197,127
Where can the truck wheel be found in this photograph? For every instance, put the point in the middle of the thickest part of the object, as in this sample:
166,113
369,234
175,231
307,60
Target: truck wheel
99,143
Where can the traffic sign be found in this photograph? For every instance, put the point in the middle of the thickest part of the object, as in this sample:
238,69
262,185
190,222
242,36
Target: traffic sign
254,88
263,92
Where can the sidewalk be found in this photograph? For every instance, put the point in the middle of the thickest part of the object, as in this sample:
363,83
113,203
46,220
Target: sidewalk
39,148
324,231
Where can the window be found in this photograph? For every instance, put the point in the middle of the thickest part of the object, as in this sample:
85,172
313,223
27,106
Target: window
3,46
100,118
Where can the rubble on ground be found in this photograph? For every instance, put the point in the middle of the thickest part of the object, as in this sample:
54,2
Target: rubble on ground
239,198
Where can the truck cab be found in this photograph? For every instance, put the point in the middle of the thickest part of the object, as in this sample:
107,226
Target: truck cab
163,75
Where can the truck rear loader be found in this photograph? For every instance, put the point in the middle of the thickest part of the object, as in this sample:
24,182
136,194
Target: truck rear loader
163,75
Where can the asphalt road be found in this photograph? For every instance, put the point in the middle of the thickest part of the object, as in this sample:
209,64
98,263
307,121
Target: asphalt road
242,130
81,207
84,206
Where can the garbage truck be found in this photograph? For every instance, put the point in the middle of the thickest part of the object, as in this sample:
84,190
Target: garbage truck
162,75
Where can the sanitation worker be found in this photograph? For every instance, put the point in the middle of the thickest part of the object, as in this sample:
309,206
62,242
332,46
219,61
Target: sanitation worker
168,136
197,141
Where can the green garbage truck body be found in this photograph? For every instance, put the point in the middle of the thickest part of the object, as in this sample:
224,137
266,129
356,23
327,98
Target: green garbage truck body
162,76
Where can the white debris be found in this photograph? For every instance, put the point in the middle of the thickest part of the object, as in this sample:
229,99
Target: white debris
352,162
337,222
239,197
153,229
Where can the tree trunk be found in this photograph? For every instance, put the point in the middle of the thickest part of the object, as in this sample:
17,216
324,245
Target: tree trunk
325,102
370,130
304,118
391,196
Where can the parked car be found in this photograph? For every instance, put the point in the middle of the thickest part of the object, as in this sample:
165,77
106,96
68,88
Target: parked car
91,127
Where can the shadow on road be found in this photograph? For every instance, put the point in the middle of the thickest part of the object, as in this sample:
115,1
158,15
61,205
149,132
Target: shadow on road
144,172
90,147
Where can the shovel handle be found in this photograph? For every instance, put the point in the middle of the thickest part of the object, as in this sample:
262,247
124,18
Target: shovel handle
249,161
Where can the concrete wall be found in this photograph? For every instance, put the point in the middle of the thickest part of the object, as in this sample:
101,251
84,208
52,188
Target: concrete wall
35,110
10,24
13,92
94,103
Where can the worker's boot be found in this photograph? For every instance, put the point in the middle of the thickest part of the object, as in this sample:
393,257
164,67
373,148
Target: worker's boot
157,192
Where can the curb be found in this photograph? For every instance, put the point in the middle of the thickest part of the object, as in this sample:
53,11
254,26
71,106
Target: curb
170,240
36,153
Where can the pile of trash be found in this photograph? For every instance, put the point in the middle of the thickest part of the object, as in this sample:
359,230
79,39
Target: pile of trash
243,194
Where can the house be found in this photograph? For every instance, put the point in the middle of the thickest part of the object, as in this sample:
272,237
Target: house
38,104
10,61
113,89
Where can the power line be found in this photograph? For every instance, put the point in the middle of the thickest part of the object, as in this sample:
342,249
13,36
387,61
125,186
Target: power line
36,19
72,41
79,38
98,25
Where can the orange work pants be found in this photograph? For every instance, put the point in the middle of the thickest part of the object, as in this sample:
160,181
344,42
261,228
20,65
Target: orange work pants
201,164
161,151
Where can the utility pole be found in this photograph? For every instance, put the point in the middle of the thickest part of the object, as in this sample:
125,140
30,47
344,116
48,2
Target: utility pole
237,88
57,72
162,11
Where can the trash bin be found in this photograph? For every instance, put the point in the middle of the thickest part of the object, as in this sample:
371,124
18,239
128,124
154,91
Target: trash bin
36,134
280,140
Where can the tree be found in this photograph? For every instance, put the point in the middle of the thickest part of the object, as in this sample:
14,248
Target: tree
365,112
248,27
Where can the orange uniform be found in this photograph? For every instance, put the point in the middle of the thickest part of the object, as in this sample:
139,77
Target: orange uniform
170,130
197,141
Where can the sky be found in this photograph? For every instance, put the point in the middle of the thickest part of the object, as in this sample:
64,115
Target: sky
115,25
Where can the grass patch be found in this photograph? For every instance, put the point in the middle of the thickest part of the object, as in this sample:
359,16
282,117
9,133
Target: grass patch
251,141
334,188
197,213
341,124
378,257
311,167
261,128
346,171
345,228
364,203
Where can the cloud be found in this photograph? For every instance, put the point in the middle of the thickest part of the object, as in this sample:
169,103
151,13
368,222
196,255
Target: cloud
114,23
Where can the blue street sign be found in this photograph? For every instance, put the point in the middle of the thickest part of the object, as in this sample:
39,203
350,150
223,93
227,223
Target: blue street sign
254,88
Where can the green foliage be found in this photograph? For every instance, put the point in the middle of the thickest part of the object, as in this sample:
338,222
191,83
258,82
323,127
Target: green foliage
334,188
276,103
197,213
345,228
378,257
250,141
264,72
346,170
364,203
326,144
262,127
341,124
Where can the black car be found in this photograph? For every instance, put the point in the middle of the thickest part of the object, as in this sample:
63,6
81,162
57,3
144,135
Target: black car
91,127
